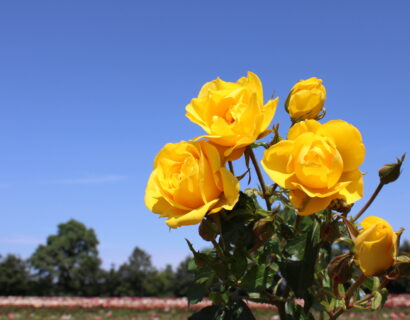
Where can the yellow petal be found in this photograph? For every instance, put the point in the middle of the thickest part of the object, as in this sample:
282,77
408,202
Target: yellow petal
374,256
307,205
208,180
354,190
193,217
253,84
196,113
219,127
302,127
268,111
275,162
231,188
348,142
320,193
156,203
371,221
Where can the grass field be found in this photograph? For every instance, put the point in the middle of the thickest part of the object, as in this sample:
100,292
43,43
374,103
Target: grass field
127,314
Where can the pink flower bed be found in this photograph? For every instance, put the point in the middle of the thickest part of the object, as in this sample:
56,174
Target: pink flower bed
394,301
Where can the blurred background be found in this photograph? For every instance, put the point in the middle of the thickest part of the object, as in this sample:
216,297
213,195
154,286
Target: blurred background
90,91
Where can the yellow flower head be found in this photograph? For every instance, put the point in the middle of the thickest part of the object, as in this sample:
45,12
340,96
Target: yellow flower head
306,99
376,246
232,114
318,163
189,180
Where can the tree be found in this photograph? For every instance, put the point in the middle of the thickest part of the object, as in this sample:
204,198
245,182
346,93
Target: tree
68,264
135,274
108,282
160,283
183,278
14,276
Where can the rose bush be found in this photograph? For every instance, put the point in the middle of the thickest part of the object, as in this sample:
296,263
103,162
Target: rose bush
306,99
282,252
317,164
189,180
232,114
376,246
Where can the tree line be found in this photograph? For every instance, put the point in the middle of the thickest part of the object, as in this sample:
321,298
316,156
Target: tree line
69,265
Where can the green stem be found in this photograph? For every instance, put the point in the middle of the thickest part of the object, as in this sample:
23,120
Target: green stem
281,310
219,250
369,202
297,224
353,288
348,296
260,177
371,295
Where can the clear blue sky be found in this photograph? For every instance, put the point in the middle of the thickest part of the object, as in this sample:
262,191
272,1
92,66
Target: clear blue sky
91,90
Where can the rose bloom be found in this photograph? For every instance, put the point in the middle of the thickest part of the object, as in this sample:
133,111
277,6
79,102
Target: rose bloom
318,163
376,246
306,99
190,180
232,114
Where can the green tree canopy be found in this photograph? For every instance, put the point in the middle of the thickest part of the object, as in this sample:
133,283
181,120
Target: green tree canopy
184,278
69,262
134,274
14,276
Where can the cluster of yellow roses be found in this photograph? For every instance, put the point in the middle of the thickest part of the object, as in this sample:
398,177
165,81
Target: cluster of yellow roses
317,162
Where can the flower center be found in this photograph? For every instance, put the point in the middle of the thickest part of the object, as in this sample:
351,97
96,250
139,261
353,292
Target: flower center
319,164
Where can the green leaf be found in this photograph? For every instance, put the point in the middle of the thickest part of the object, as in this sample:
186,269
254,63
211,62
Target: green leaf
296,312
240,264
377,301
299,274
371,283
207,313
218,298
254,278
385,293
221,269
196,293
192,265
241,311
353,232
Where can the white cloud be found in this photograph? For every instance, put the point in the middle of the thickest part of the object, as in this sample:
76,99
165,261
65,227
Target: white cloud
20,240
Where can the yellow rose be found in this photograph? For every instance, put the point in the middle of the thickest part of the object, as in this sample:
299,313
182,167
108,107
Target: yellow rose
318,163
306,99
376,246
232,114
188,181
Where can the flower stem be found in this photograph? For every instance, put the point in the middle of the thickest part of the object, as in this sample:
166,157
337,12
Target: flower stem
219,250
371,295
260,177
231,167
348,296
369,202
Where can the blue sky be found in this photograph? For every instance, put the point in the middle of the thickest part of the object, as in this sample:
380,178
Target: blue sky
90,91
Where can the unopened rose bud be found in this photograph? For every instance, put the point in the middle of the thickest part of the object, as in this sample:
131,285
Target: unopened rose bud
329,231
208,230
391,172
376,246
263,229
401,268
340,268
306,100
340,205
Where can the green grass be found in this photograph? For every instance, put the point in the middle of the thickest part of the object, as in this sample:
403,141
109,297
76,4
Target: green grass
126,314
